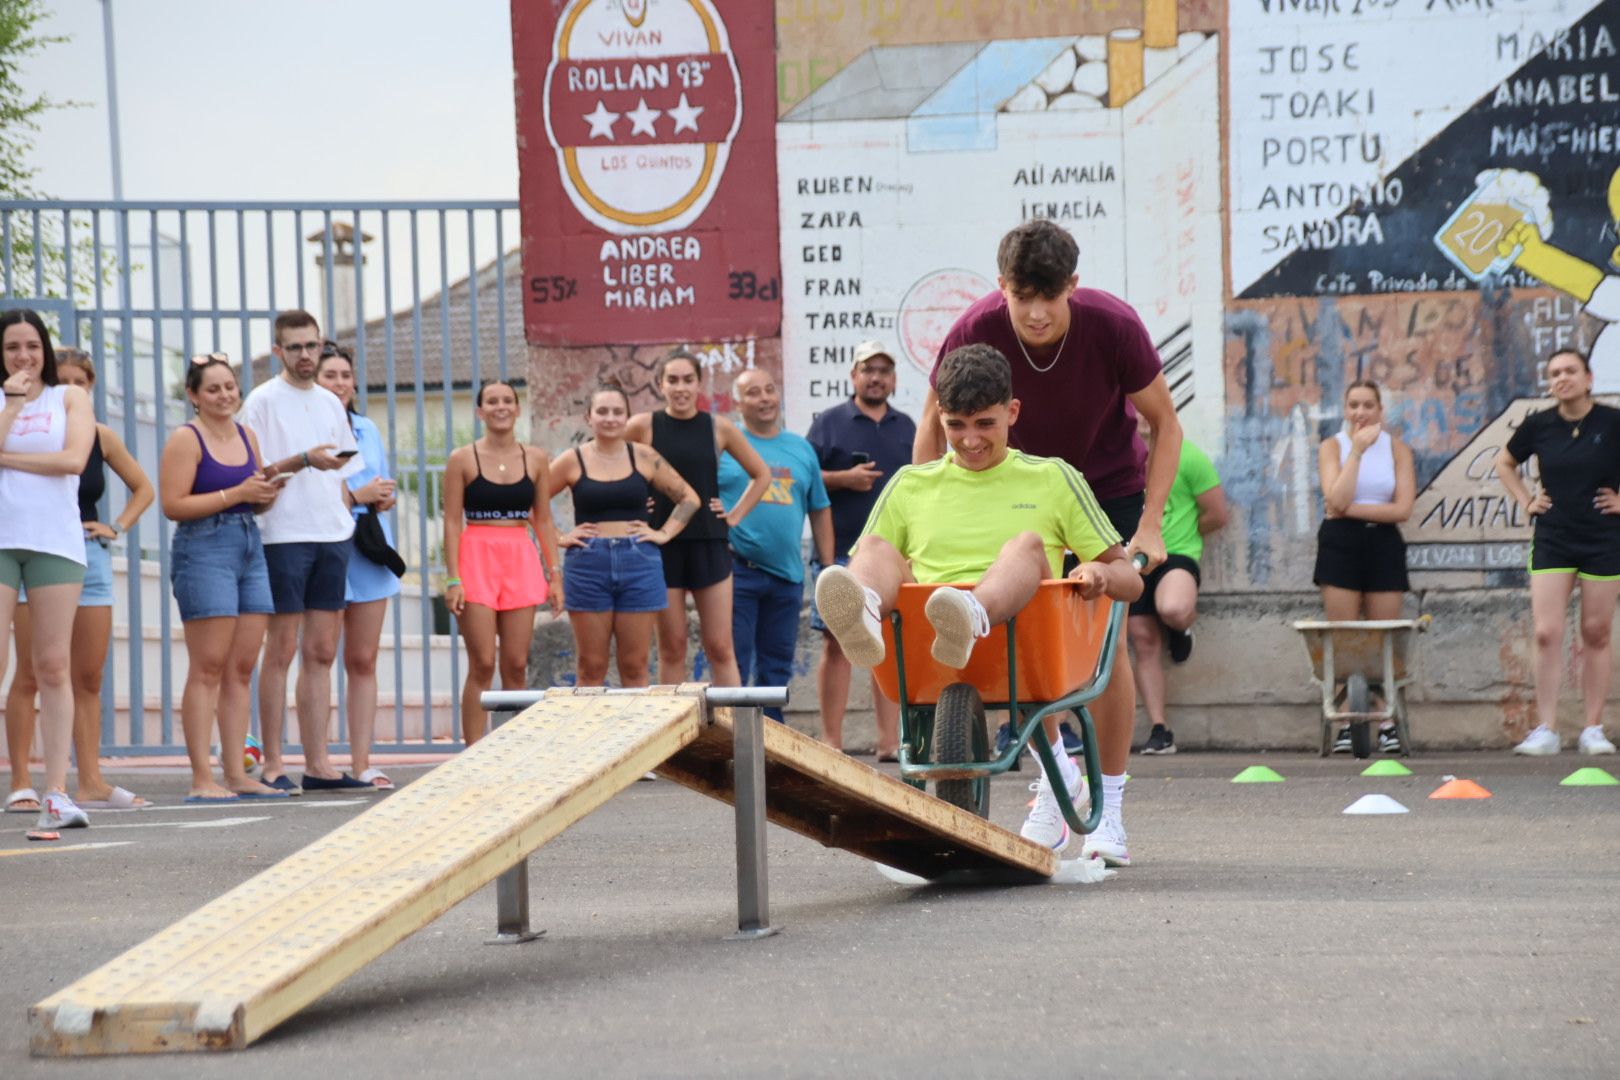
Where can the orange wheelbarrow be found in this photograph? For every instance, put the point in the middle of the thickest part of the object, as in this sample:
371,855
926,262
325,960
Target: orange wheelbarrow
1056,655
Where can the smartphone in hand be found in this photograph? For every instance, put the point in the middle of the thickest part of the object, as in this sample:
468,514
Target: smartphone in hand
860,457
345,454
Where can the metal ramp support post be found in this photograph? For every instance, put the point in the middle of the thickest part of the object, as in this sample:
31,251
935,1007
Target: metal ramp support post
748,777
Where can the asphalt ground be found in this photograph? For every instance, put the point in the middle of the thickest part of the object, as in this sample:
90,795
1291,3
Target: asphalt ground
1261,933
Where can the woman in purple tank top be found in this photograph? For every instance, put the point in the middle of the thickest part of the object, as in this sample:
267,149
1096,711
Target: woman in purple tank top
210,484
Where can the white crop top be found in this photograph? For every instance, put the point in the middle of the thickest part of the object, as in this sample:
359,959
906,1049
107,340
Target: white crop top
1375,479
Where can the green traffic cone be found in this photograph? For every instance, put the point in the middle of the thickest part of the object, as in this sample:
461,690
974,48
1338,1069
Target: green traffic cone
1590,776
1257,774
1386,767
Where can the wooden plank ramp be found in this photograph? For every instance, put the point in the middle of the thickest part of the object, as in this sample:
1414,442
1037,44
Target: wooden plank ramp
825,794
223,976
229,972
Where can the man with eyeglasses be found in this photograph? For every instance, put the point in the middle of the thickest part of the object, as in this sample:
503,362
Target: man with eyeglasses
861,443
305,437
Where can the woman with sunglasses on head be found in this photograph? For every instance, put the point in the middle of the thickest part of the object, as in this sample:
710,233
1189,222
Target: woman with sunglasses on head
370,491
612,559
1576,537
210,483
92,624
496,493
46,430
698,561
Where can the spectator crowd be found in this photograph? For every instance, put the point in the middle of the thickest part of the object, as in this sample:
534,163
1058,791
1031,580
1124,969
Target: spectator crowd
282,548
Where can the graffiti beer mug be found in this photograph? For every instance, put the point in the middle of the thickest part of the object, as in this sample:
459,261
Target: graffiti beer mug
1501,199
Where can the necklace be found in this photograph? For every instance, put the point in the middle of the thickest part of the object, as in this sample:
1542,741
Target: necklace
1031,360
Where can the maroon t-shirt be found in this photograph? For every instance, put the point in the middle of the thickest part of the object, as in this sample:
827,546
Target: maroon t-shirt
1077,409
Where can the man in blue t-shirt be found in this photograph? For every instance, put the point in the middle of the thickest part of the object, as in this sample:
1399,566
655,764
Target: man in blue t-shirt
768,571
861,443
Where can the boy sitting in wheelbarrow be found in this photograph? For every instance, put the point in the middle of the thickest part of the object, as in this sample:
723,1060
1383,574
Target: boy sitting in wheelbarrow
984,513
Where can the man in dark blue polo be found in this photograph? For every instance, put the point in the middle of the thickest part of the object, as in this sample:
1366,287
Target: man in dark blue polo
861,443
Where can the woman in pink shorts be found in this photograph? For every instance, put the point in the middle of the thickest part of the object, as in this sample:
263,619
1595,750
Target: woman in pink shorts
497,502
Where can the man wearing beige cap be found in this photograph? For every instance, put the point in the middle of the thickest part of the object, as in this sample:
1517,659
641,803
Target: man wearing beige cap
861,443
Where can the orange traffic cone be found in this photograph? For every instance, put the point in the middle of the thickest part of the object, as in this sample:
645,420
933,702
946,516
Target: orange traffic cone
1460,789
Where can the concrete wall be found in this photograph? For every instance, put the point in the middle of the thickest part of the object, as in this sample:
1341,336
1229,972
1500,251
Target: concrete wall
1294,194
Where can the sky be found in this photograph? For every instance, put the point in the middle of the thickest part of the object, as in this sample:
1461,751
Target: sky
299,99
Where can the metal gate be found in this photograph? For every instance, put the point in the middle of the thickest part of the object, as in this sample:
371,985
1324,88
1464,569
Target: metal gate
427,295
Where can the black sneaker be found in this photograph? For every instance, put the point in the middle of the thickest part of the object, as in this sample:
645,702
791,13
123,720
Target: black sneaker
1341,745
1161,740
1073,744
1180,644
1389,741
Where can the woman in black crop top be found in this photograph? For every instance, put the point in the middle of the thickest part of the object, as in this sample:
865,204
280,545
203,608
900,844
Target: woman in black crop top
699,563
495,492
1575,535
612,557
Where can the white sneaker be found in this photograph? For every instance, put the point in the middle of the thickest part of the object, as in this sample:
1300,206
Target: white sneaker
850,611
1108,842
1593,741
60,812
959,621
1541,742
1045,824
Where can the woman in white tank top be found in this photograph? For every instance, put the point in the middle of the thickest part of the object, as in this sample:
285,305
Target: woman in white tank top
46,429
1368,487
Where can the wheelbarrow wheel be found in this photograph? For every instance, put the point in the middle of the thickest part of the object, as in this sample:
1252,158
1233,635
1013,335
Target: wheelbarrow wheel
1358,699
960,735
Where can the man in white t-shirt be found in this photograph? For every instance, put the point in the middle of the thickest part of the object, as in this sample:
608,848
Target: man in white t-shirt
304,435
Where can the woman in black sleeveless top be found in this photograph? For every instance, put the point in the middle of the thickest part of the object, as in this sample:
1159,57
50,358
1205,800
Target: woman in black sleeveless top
612,560
699,562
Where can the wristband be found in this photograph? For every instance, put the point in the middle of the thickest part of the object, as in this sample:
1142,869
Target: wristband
306,459
118,530
448,582
17,394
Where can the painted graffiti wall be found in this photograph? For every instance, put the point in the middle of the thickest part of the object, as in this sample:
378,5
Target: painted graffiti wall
1294,194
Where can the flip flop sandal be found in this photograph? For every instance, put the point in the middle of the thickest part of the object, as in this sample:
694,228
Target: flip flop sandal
21,795
376,779
212,800
121,799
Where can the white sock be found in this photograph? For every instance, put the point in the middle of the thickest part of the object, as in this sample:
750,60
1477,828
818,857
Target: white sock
1066,765
1113,792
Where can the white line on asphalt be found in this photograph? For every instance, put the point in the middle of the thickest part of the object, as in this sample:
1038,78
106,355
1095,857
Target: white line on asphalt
51,849
254,803
214,823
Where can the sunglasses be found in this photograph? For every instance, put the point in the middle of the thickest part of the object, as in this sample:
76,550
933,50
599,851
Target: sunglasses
210,358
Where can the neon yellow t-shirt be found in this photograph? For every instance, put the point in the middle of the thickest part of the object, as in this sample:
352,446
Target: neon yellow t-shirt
951,522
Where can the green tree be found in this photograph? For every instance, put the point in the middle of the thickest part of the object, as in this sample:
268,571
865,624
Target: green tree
21,37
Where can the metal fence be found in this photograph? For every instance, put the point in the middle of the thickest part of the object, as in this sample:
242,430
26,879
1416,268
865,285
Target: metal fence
428,296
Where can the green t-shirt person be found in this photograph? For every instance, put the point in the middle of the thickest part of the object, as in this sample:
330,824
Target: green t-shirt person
951,522
1195,474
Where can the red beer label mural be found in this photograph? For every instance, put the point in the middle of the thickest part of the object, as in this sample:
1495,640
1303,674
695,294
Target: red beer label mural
648,179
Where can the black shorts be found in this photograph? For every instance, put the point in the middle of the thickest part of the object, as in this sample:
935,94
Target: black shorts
696,564
1144,605
1123,513
1558,551
1362,556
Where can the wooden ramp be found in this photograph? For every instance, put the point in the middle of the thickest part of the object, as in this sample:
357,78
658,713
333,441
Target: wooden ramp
830,797
232,970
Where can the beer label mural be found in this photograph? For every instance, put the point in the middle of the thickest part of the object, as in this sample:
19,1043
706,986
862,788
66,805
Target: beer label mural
899,175
633,116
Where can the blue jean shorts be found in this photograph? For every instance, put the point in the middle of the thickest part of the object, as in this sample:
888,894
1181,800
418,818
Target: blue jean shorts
217,568
98,575
614,573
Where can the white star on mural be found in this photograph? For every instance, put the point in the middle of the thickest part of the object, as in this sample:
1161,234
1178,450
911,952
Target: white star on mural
685,115
641,119
601,121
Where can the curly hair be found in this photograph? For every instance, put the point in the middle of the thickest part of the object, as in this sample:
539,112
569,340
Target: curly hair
1039,256
972,379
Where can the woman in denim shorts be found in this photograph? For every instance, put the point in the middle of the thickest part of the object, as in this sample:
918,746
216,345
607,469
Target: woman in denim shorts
210,484
92,624
613,568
